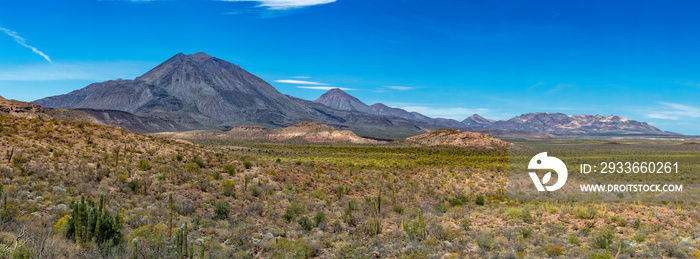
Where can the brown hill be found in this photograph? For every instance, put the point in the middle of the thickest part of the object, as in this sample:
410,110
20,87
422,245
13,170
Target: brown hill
458,138
304,131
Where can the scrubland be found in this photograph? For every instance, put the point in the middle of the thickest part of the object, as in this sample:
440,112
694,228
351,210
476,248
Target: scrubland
76,190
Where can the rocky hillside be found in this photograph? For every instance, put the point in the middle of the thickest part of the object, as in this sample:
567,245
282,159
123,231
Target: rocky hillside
17,108
312,132
458,138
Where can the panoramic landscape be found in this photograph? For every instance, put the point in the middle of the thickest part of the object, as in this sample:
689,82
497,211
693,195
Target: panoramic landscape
239,134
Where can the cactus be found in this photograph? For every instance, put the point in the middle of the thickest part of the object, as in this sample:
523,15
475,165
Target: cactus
179,242
4,207
76,221
421,223
379,201
134,248
170,217
191,251
88,220
98,220
184,240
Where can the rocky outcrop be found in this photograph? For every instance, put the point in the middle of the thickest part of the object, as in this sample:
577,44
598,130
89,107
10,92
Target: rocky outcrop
450,137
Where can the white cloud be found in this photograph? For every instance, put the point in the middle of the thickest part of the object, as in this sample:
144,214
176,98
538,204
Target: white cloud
450,113
301,77
23,41
96,71
299,82
400,88
285,4
675,111
325,88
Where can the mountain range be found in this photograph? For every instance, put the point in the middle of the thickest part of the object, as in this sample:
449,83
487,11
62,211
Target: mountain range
201,92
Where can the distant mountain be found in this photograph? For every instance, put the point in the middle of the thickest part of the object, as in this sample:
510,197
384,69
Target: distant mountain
191,89
339,99
562,124
199,91
477,121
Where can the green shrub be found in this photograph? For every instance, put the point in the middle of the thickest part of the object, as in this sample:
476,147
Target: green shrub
526,217
480,201
255,191
637,224
600,256
458,201
144,165
192,167
554,250
198,160
466,223
134,185
319,218
399,209
441,208
485,241
525,233
228,188
581,212
639,238
513,213
229,169
23,252
222,210
306,223
291,248
293,211
247,164
573,239
603,240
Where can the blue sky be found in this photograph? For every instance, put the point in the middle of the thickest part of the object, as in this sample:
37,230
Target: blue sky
451,59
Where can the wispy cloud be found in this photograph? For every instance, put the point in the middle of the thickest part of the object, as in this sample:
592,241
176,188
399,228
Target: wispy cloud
285,4
400,88
96,71
300,77
23,42
326,88
675,111
450,113
299,82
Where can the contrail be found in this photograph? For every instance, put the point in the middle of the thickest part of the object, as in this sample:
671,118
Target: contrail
22,42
